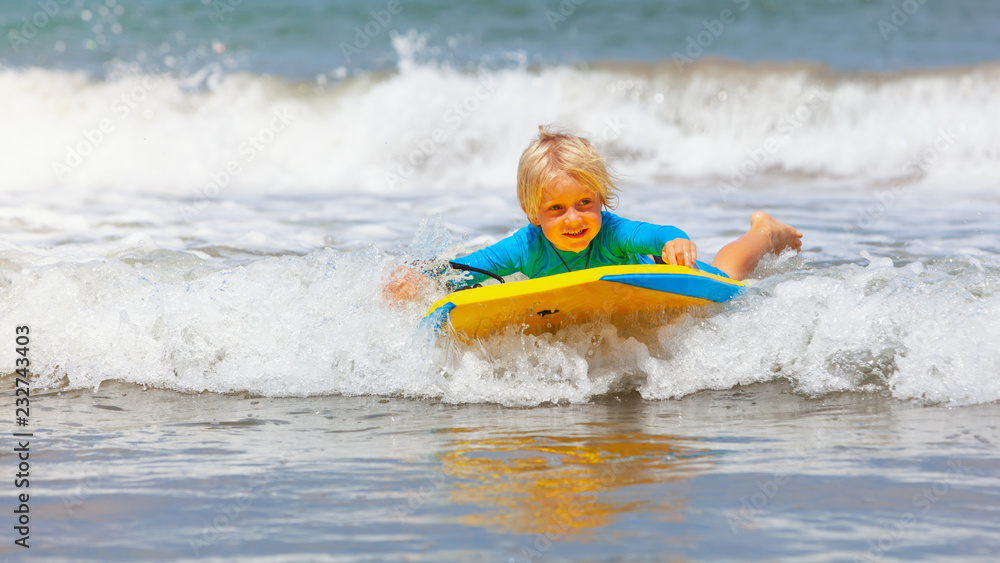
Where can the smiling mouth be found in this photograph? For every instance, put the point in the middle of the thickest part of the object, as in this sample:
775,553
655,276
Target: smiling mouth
576,234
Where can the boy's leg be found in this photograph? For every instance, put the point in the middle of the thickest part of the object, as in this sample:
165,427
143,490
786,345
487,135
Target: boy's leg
766,235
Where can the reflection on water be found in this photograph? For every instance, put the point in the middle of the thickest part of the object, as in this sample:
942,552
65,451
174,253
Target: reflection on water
565,485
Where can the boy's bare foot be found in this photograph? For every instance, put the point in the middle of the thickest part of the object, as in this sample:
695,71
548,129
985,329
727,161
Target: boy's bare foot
782,236
766,235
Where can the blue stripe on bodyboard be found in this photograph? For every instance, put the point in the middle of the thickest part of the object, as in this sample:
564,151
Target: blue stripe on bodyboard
438,318
681,284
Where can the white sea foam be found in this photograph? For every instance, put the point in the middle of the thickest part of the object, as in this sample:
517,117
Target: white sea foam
917,332
317,324
430,125
231,234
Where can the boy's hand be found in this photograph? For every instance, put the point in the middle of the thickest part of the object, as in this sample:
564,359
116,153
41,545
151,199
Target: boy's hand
404,284
680,252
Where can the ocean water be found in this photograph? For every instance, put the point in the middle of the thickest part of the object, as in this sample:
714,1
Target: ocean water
201,200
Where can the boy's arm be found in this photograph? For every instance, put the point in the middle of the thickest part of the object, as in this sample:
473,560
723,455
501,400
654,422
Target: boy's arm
502,259
637,237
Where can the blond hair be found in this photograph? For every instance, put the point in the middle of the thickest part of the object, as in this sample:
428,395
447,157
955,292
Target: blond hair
554,154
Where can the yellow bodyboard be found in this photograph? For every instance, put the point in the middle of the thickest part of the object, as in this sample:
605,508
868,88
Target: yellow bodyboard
547,304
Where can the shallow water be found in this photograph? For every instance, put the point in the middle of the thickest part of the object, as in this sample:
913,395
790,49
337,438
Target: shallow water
200,206
749,473
876,305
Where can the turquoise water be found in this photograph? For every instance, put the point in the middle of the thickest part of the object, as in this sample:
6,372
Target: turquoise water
303,38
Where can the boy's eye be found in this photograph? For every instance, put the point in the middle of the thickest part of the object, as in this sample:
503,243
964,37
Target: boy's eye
556,207
584,202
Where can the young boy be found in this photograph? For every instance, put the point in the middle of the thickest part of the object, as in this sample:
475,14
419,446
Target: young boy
563,187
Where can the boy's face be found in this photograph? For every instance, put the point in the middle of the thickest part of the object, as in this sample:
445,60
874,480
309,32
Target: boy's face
570,215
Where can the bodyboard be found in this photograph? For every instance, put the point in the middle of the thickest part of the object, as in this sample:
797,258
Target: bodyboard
547,304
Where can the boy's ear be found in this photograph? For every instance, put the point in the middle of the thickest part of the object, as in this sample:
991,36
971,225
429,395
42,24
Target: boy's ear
533,220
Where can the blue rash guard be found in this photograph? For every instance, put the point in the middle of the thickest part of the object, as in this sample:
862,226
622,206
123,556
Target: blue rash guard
620,241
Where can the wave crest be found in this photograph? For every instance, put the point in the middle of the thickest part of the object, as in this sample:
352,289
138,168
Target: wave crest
429,126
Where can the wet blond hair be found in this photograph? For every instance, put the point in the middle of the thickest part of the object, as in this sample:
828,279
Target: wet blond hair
554,154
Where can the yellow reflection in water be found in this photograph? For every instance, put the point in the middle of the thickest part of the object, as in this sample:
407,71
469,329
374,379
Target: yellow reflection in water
565,485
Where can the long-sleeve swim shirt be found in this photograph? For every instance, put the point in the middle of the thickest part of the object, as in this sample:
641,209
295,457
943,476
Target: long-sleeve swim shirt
619,241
